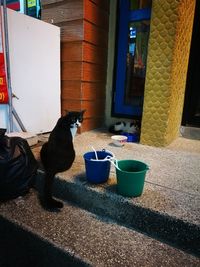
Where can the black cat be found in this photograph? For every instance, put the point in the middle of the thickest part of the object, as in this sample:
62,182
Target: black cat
57,155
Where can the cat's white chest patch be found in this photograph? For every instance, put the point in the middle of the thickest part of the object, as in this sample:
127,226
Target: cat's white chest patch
74,128
73,131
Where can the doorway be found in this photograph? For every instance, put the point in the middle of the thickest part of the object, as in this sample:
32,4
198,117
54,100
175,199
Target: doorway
191,111
132,47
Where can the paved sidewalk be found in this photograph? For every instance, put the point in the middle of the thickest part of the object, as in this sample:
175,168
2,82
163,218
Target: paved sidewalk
173,183
170,203
159,228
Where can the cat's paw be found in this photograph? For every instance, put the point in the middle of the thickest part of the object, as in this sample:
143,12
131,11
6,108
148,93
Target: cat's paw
54,204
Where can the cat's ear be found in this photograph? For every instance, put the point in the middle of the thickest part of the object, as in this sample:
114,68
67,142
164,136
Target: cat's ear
67,112
83,111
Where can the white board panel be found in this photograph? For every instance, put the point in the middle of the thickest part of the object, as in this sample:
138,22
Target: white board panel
34,48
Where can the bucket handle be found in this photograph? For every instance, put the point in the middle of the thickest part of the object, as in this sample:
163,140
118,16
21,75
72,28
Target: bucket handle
112,159
107,158
114,162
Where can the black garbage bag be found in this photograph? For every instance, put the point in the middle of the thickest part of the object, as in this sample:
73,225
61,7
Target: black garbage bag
18,166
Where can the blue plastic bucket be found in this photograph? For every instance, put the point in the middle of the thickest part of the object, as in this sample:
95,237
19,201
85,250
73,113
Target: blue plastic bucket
97,171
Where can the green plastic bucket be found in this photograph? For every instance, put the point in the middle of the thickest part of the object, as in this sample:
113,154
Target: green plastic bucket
130,177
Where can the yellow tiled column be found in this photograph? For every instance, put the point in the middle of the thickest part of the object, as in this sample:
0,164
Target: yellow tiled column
167,63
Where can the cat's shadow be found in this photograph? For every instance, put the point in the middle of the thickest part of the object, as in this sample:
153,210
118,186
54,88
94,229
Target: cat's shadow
81,178
113,145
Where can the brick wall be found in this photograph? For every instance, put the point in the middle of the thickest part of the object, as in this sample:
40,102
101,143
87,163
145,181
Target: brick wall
84,41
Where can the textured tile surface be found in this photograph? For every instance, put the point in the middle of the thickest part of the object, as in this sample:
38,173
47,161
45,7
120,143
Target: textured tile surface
168,53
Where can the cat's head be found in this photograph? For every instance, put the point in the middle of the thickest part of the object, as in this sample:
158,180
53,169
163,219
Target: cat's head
75,118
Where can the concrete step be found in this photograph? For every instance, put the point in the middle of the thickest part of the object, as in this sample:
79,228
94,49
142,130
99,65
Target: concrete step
32,236
156,213
169,208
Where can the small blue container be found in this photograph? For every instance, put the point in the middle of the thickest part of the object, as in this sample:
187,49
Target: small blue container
97,171
132,137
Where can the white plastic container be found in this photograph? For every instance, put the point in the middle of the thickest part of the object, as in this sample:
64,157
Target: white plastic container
119,140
